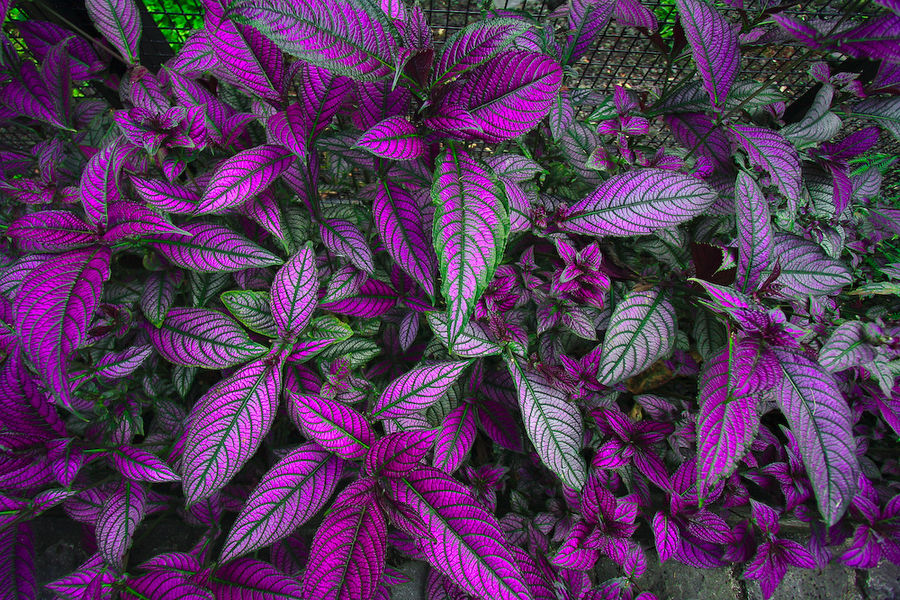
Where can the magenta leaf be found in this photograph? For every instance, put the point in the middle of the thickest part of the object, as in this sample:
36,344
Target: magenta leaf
51,231
714,45
509,95
348,552
322,93
53,309
41,36
345,239
467,543
139,465
122,512
117,365
470,342
553,423
288,127
158,584
884,111
417,389
373,299
335,426
295,293
395,138
638,202
805,269
159,295
821,422
200,337
727,422
455,437
641,331
471,226
755,237
251,579
355,39
226,427
17,573
120,23
769,151
400,225
398,453
133,220
243,175
100,180
287,496
474,45
212,249
168,197
846,347
698,133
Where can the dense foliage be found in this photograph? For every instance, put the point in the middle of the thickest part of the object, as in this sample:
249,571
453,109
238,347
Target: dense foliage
340,297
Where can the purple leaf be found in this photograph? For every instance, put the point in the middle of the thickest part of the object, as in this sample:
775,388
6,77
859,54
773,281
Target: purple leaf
470,342
562,114
727,422
641,331
348,552
118,365
805,269
373,300
714,46
395,138
212,249
26,93
754,233
884,111
474,45
243,175
252,309
53,309
295,293
819,124
665,535
174,562
41,36
133,220
122,512
769,151
159,295
288,127
50,231
821,422
471,225
587,20
17,563
336,427
322,93
120,23
287,496
158,584
455,437
400,225
139,465
467,543
226,427
200,337
846,347
638,202
509,95
355,39
100,180
251,579
196,55
631,13
345,239
417,389
514,167
58,80
553,423
169,197
698,133
397,453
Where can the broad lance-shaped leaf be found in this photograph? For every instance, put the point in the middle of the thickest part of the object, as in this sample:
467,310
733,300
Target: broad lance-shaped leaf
587,19
242,176
395,138
805,269
295,292
641,331
727,423
884,111
140,465
226,426
820,420
714,45
159,295
161,584
335,426
455,438
846,347
471,342
248,578
17,572
212,249
253,309
50,231
287,496
754,233
166,196
117,365
417,389
473,45
400,225
352,38
638,202
397,453
200,337
345,239
769,151
348,552
136,221
288,127
509,95
471,226
120,23
466,541
100,180
53,309
552,422
122,512
819,124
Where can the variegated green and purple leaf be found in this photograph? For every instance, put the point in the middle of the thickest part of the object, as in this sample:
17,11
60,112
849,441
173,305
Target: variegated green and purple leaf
51,231
846,347
334,426
287,496
118,365
242,176
417,389
714,45
130,220
121,513
248,578
200,337
253,309
805,268
395,138
397,453
345,239
769,151
288,127
139,465
455,437
755,237
17,572
166,196
120,23
100,179
159,295
470,342
212,249
295,293
474,45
